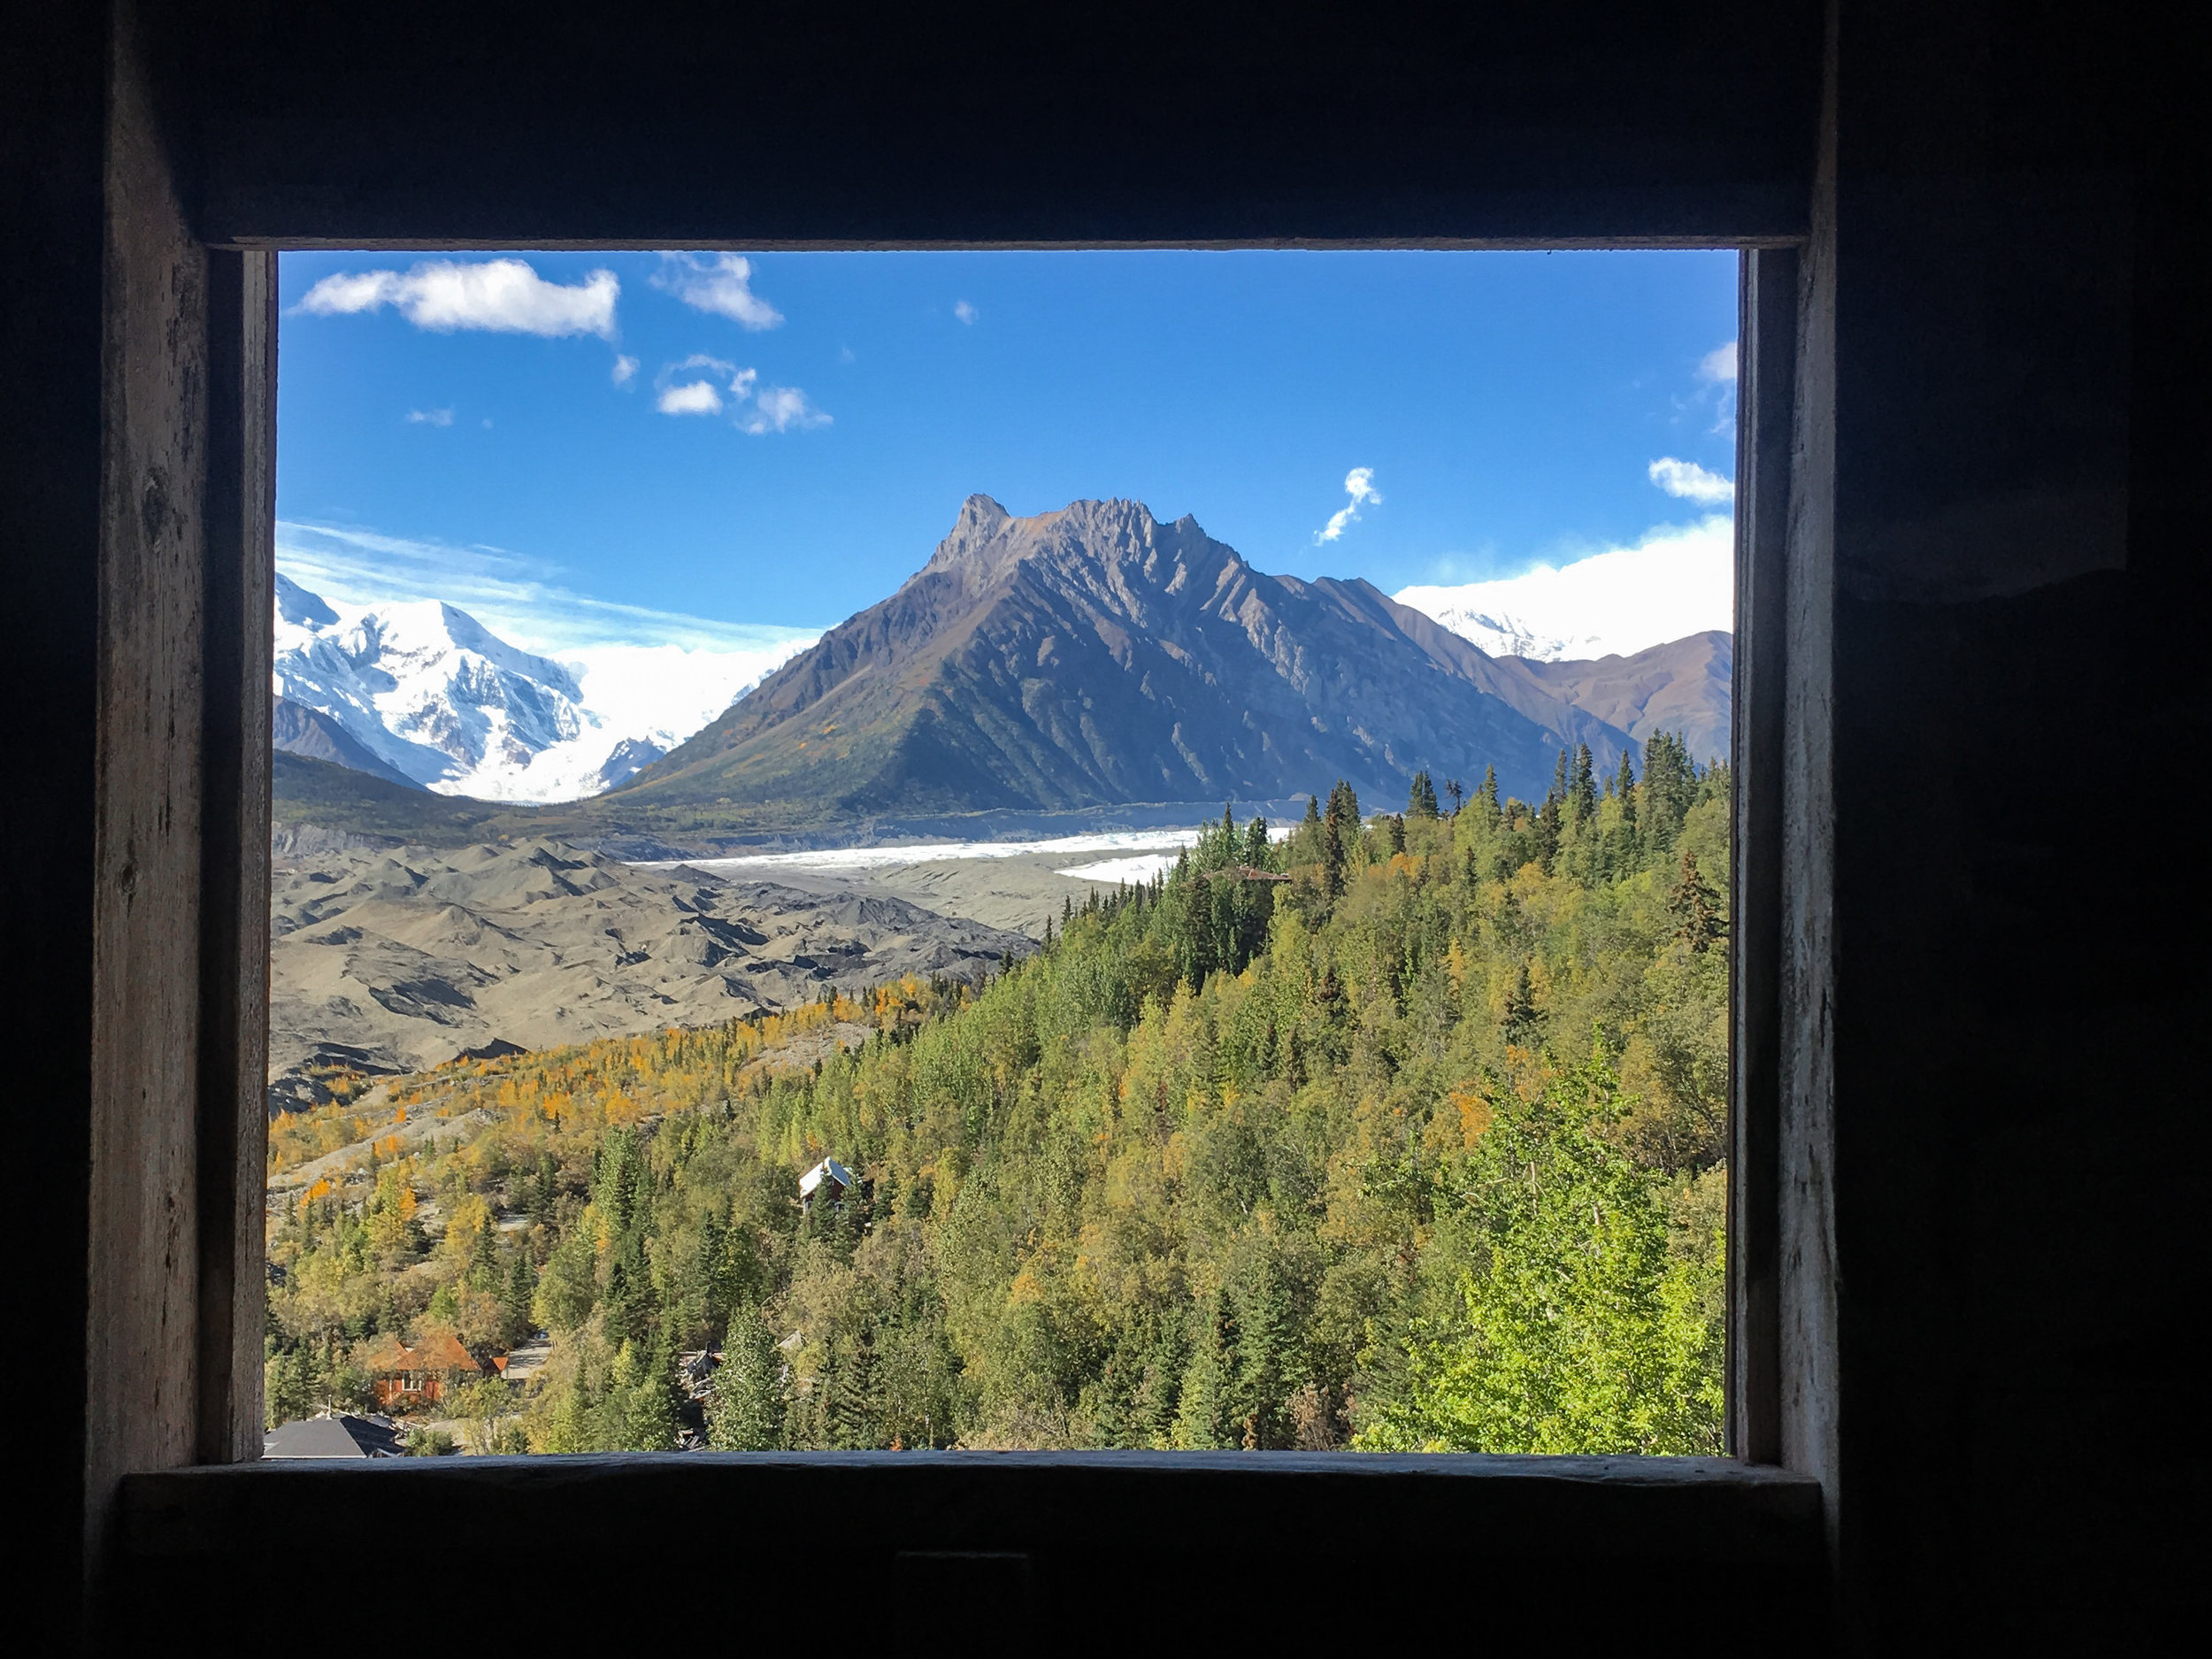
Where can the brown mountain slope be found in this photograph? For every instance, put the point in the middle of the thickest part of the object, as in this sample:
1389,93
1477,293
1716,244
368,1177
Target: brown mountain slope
397,961
1683,686
1095,655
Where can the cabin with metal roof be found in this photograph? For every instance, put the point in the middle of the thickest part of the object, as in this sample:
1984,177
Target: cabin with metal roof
829,1172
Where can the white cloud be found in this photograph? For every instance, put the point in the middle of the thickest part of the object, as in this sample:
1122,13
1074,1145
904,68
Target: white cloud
502,296
781,409
723,285
1718,365
964,311
696,397
693,397
676,688
430,417
1676,581
520,598
1359,484
624,370
1692,482
754,408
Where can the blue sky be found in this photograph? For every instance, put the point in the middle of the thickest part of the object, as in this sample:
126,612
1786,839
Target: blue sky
491,429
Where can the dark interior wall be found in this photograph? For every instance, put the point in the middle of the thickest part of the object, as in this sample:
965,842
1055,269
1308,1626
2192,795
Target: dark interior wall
2001,446
52,117
845,119
2018,713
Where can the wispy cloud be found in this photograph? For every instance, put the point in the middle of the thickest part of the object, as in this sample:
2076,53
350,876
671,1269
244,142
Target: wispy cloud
624,370
500,295
430,417
781,409
722,285
964,311
1359,484
518,598
1692,482
1716,375
754,408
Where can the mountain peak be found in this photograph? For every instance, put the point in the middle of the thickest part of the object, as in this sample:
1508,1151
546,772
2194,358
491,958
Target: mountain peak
979,510
986,539
1094,654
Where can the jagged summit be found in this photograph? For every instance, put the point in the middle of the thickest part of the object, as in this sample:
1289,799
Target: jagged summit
1094,655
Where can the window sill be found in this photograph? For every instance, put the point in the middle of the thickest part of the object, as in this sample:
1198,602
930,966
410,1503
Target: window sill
1076,1530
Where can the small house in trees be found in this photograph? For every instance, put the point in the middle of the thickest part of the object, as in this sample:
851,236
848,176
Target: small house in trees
828,1179
405,1377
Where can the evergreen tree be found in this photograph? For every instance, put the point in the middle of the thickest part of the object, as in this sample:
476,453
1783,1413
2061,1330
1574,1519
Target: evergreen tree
750,1401
1486,796
1421,798
1520,1005
1457,791
1695,908
514,1306
1258,851
1547,832
1581,803
1266,1361
1670,788
1203,1417
1624,786
1340,834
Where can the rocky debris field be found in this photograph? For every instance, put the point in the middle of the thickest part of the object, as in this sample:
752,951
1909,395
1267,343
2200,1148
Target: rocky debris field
390,962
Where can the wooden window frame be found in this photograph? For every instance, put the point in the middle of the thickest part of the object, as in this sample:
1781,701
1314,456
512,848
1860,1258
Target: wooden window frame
1743,1512
177,1506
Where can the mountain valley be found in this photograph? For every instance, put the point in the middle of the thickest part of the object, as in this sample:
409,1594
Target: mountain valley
1087,660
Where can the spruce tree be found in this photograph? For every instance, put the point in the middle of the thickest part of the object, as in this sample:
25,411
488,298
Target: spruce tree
1339,833
1695,908
514,1306
1257,851
1520,1004
1421,798
1582,792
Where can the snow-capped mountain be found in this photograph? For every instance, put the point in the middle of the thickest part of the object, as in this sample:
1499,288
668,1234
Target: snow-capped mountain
437,697
1675,582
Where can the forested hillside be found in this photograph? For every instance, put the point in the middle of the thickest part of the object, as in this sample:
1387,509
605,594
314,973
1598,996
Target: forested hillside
1398,1134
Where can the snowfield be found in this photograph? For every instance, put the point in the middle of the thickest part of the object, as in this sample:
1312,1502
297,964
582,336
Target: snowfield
443,701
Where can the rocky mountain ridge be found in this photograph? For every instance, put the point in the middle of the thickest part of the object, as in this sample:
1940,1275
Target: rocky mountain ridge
1094,655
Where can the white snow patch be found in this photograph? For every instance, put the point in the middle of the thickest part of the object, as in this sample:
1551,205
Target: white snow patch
437,695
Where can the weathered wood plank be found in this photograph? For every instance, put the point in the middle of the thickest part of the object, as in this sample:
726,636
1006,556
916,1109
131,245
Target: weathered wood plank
1766,355
141,1331
234,865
